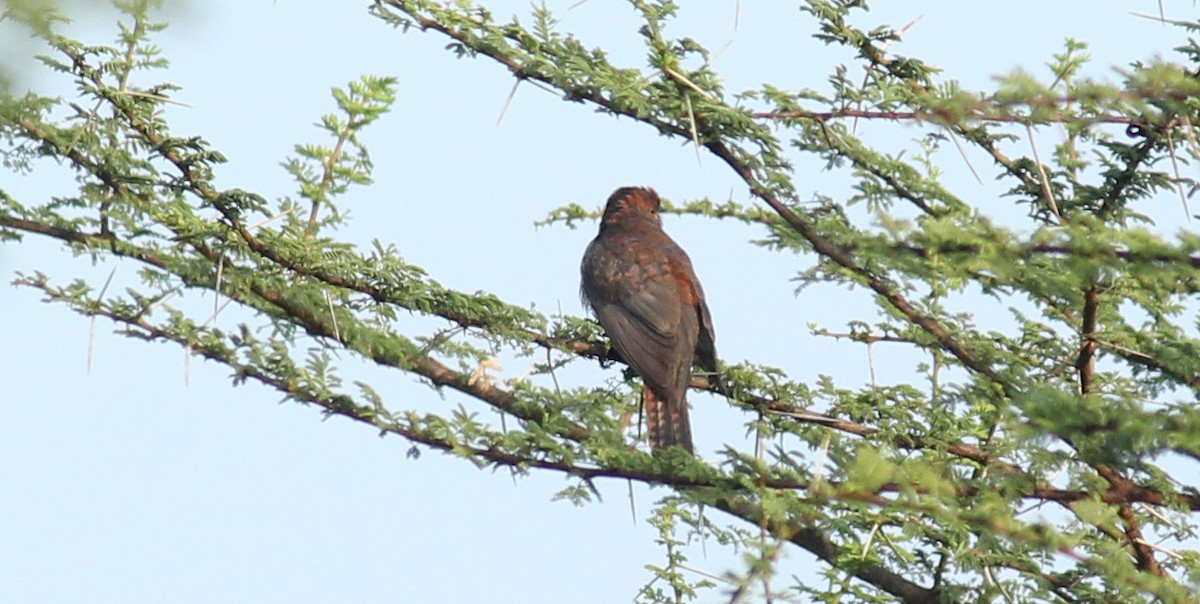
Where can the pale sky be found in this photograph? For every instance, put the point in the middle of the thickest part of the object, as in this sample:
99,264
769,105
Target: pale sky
126,484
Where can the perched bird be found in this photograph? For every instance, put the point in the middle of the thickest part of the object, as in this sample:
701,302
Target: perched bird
641,287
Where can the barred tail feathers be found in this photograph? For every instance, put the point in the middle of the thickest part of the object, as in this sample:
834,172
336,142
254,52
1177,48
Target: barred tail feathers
667,422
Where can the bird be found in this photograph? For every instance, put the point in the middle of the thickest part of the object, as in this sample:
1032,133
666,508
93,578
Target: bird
642,289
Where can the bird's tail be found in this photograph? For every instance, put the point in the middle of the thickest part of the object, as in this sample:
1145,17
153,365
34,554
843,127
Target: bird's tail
667,422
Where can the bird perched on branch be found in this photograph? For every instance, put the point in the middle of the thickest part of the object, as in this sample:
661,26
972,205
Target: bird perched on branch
641,287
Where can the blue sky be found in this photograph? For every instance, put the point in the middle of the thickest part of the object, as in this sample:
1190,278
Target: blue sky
126,484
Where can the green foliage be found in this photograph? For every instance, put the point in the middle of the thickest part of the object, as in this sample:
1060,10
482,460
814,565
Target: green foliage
670,584
323,173
1020,463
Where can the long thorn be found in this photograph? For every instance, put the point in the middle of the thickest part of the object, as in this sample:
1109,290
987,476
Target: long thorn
337,333
1187,212
508,101
92,323
963,153
692,126
217,289
1037,160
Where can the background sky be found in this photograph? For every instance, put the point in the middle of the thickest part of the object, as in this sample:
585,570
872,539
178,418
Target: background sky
128,483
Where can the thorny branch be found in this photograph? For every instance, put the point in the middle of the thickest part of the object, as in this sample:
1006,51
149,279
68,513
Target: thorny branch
1122,492
935,117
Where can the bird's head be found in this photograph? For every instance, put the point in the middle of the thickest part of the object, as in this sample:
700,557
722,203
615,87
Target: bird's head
632,204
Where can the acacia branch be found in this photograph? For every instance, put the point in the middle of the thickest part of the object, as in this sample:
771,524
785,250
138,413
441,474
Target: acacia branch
1142,551
970,113
1085,364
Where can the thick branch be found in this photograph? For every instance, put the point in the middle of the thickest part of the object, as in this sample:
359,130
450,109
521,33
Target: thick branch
1086,362
1142,552
977,113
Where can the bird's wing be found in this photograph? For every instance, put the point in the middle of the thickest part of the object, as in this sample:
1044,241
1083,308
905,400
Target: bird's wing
652,331
706,349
